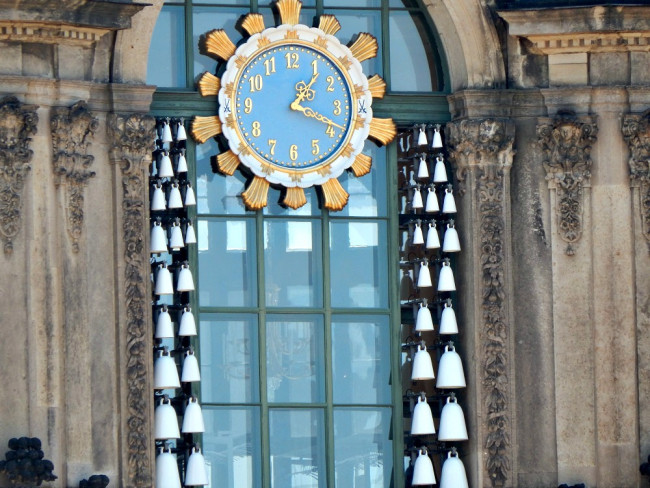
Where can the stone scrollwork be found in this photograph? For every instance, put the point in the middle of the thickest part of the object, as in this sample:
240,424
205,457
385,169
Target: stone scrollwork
131,137
17,124
564,144
73,129
636,132
484,147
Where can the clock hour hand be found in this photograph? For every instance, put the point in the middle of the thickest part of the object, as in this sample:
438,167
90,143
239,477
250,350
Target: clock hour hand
314,115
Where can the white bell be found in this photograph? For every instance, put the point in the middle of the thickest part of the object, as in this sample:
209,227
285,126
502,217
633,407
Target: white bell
176,238
432,205
164,326
418,238
422,421
190,235
453,472
181,134
195,472
187,325
424,277
451,243
175,200
423,320
423,170
163,281
448,324
190,198
452,422
191,373
422,137
158,238
448,204
422,365
166,132
181,167
185,280
433,241
423,474
446,280
193,418
416,202
167,470
440,171
165,421
165,169
165,373
437,138
450,370
158,200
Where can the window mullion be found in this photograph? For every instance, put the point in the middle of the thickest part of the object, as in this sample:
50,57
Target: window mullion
327,302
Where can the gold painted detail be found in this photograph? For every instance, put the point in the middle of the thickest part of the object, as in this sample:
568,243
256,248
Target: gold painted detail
335,196
377,86
382,130
253,23
267,168
219,44
324,170
263,41
289,11
347,151
321,42
209,84
256,194
329,24
203,128
295,176
291,34
361,165
359,123
244,150
241,61
295,197
364,47
345,61
359,91
227,162
230,121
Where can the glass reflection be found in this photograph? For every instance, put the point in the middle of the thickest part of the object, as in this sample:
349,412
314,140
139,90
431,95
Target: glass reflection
355,21
368,193
205,19
297,441
168,38
216,193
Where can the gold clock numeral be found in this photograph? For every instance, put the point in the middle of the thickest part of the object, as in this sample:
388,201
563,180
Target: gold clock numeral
292,60
314,65
315,149
272,143
256,83
337,107
248,105
256,131
269,66
330,86
293,152
330,131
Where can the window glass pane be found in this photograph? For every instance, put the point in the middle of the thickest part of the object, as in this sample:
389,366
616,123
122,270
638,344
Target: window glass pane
231,446
297,439
229,247
363,454
292,263
358,267
205,19
360,359
216,193
166,64
356,21
246,3
352,3
309,208
412,60
294,359
229,358
368,193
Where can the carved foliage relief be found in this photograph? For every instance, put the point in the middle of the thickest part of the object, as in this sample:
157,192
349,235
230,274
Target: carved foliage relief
132,137
564,144
485,147
17,125
72,132
636,132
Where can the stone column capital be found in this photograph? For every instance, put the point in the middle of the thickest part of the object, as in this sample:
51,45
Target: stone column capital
131,139
481,141
636,132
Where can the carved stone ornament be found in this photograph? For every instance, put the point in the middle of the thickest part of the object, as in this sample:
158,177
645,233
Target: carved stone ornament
564,144
72,132
636,132
485,148
17,123
132,138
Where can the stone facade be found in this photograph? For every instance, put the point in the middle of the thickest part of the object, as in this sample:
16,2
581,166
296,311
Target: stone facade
550,141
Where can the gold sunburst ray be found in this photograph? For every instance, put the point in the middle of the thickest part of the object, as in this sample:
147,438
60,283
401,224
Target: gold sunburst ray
329,24
203,128
209,84
217,43
382,130
364,47
362,164
227,162
334,194
295,197
377,86
253,23
289,11
256,194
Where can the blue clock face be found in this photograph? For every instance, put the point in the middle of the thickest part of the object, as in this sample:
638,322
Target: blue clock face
293,107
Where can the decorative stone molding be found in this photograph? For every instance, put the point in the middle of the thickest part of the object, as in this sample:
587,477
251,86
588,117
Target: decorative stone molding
72,131
589,42
131,139
41,32
564,145
484,148
636,132
17,123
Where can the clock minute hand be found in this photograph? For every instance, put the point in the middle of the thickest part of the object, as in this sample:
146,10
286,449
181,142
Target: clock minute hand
304,90
314,115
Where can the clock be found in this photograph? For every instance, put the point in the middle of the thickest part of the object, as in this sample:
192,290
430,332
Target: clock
294,106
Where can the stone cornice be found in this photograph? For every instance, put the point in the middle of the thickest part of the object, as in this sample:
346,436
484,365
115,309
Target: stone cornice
590,42
48,33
